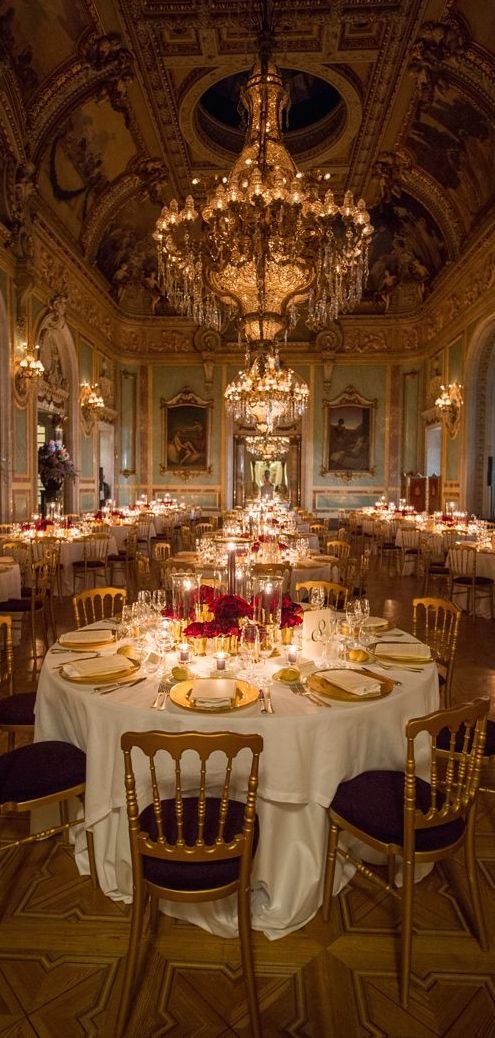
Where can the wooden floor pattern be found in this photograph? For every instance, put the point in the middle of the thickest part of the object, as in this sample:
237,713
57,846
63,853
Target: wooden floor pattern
62,944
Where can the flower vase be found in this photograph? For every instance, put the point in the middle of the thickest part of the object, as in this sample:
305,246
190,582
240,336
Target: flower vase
198,646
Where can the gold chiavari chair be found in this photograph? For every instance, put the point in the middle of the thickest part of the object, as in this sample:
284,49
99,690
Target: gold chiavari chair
144,577
340,548
409,548
38,775
399,814
94,562
436,622
16,708
190,848
100,603
125,560
336,595
464,580
433,566
34,604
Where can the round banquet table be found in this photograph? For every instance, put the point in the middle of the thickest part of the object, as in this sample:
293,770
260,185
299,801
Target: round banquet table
308,751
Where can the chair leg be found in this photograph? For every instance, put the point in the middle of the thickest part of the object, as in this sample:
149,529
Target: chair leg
244,918
132,955
64,818
154,912
473,881
92,858
406,941
333,839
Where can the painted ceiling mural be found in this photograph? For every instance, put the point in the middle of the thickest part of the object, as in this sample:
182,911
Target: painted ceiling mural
109,108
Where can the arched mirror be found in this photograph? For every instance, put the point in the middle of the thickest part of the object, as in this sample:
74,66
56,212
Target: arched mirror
257,476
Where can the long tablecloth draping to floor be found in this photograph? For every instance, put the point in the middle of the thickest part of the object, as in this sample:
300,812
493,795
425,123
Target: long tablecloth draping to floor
308,751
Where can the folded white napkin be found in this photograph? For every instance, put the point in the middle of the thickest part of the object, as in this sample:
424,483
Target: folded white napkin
351,681
375,621
81,637
98,666
213,693
406,650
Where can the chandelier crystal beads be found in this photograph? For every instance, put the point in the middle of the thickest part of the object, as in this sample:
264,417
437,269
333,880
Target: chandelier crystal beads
264,393
268,448
268,238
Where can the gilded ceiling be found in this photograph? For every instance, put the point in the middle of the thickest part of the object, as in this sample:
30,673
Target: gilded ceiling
109,108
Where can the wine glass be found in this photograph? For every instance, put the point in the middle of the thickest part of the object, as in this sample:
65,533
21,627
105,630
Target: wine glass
249,647
317,597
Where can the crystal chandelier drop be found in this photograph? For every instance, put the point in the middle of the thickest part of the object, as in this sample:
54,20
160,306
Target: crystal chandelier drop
268,448
264,393
268,238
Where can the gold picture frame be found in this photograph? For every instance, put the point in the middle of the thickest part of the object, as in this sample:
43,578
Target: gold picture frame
186,434
349,435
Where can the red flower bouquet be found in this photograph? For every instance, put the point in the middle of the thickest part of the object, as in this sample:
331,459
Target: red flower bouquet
291,613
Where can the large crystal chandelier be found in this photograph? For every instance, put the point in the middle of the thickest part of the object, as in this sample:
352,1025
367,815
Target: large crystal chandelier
268,237
264,393
268,448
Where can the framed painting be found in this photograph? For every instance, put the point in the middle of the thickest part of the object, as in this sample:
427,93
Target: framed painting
349,435
186,434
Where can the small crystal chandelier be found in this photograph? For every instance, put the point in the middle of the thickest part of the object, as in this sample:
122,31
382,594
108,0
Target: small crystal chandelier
268,448
268,238
264,393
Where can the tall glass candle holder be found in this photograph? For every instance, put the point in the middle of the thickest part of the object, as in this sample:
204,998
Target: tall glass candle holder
185,595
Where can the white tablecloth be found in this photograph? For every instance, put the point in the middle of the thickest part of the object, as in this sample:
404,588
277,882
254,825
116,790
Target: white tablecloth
10,581
308,751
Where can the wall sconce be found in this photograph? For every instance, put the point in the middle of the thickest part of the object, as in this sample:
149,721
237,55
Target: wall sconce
448,406
92,403
29,369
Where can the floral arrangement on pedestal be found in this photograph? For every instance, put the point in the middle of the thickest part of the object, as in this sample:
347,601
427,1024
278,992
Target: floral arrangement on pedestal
224,615
54,467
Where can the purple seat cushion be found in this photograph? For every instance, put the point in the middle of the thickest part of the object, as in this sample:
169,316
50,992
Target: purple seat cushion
374,803
19,605
195,875
18,709
443,739
40,769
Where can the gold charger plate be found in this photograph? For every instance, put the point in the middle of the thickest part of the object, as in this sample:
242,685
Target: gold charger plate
326,688
103,676
81,646
403,658
245,695
383,626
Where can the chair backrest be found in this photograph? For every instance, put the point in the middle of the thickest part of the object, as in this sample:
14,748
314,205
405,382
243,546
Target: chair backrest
462,561
100,603
95,547
202,528
454,776
339,548
436,622
41,545
336,595
40,581
409,537
6,654
171,766
161,551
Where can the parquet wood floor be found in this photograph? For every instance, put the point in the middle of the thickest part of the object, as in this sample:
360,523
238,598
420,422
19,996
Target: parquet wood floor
62,944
